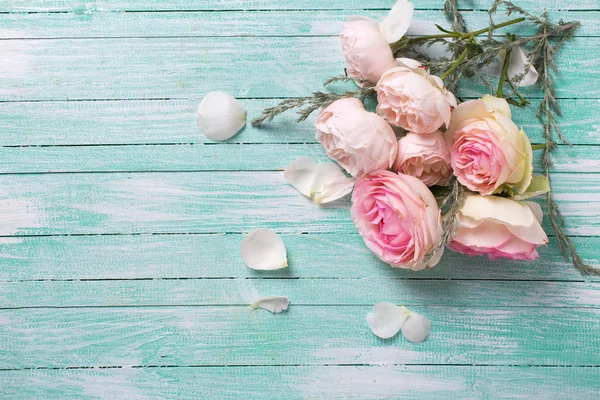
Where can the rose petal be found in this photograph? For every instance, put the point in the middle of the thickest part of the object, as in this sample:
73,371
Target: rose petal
275,304
496,104
517,66
263,249
220,116
331,184
397,22
322,183
301,174
416,328
539,185
386,319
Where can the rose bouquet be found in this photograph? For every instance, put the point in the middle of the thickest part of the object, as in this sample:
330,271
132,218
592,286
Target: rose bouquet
429,169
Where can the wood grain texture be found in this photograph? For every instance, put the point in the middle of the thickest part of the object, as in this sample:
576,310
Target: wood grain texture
215,256
305,335
118,284
321,292
241,23
215,157
92,6
208,202
174,121
175,68
305,382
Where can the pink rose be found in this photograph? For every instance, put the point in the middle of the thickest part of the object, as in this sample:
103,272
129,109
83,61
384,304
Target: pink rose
499,227
426,157
366,51
412,99
365,42
360,141
489,152
398,218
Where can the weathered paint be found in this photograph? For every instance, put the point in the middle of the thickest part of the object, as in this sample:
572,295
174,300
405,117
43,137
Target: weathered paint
138,245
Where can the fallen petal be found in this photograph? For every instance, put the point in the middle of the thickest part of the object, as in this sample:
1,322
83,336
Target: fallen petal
263,249
220,116
517,66
397,22
330,183
275,304
386,319
322,183
301,174
416,328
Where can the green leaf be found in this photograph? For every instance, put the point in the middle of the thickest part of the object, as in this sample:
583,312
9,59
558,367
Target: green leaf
442,29
473,50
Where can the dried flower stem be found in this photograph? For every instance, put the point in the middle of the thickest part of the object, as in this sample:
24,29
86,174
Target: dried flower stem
450,208
307,105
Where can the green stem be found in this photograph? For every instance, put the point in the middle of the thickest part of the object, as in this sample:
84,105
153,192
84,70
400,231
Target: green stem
456,64
503,74
496,26
460,36
522,101
541,146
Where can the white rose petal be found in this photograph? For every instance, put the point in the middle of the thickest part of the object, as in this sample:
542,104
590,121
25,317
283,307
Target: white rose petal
275,304
397,22
517,65
301,174
263,249
386,319
220,116
416,328
322,183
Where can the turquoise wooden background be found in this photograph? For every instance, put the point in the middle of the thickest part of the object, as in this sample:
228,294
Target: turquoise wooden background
120,275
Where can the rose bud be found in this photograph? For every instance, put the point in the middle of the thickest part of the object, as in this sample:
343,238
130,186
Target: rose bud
426,157
412,99
359,140
366,43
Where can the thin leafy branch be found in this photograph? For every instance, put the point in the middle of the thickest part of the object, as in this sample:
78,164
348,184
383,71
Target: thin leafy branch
450,207
307,105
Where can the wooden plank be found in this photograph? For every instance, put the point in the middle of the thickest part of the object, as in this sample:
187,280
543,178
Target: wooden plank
311,256
305,335
208,202
168,68
174,121
311,291
93,6
214,157
240,23
305,382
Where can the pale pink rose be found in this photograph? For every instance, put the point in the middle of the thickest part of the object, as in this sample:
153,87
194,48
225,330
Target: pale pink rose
360,141
488,151
398,218
426,157
412,99
365,42
366,51
499,228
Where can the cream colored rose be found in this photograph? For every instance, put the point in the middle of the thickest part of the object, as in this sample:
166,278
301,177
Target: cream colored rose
488,151
412,99
499,228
